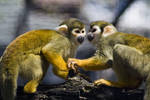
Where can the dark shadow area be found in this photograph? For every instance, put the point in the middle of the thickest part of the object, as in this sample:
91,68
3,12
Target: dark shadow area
79,88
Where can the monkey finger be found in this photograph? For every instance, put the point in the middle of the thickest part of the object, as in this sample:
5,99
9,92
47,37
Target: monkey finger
74,66
69,62
71,65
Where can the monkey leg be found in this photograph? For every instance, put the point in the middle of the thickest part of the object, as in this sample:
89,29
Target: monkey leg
128,65
128,56
33,68
31,86
147,89
9,75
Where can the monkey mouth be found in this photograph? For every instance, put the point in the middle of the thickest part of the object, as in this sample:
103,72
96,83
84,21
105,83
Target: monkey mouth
90,37
80,39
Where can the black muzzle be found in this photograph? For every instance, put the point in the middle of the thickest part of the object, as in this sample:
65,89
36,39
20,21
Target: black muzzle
90,37
80,39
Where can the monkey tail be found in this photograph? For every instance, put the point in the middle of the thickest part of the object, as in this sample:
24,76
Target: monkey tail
8,77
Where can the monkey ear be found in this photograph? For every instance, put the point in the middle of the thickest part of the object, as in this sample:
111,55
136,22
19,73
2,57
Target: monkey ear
109,30
62,29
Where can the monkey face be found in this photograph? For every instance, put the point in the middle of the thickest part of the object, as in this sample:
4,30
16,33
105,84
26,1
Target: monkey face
94,34
100,29
73,29
75,34
79,34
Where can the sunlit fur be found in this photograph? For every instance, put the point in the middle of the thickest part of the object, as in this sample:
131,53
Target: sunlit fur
127,54
30,54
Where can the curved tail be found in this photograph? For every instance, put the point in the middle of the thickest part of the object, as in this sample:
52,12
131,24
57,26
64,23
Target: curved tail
8,77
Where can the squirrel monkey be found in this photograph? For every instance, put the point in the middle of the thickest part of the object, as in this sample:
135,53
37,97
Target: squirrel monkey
127,54
30,54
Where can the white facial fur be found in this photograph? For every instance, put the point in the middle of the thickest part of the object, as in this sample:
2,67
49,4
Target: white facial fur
78,32
97,29
109,30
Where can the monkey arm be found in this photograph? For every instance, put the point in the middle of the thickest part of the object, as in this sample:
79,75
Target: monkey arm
55,59
59,65
133,58
53,52
94,63
127,61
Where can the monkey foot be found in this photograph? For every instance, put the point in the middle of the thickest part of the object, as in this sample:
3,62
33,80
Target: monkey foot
115,84
102,81
30,87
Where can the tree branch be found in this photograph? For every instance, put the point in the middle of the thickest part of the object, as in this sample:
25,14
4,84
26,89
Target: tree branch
79,88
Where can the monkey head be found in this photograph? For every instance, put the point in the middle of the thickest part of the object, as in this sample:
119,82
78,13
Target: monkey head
73,29
99,29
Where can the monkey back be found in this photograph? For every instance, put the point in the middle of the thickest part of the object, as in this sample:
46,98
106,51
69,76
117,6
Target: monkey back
31,42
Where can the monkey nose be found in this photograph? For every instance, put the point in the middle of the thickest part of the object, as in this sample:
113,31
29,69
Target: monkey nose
90,37
80,39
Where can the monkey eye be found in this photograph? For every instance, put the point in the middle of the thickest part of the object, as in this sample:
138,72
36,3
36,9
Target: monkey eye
77,31
83,31
93,30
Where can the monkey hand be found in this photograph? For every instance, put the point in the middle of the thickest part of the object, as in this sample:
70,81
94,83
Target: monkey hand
73,64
